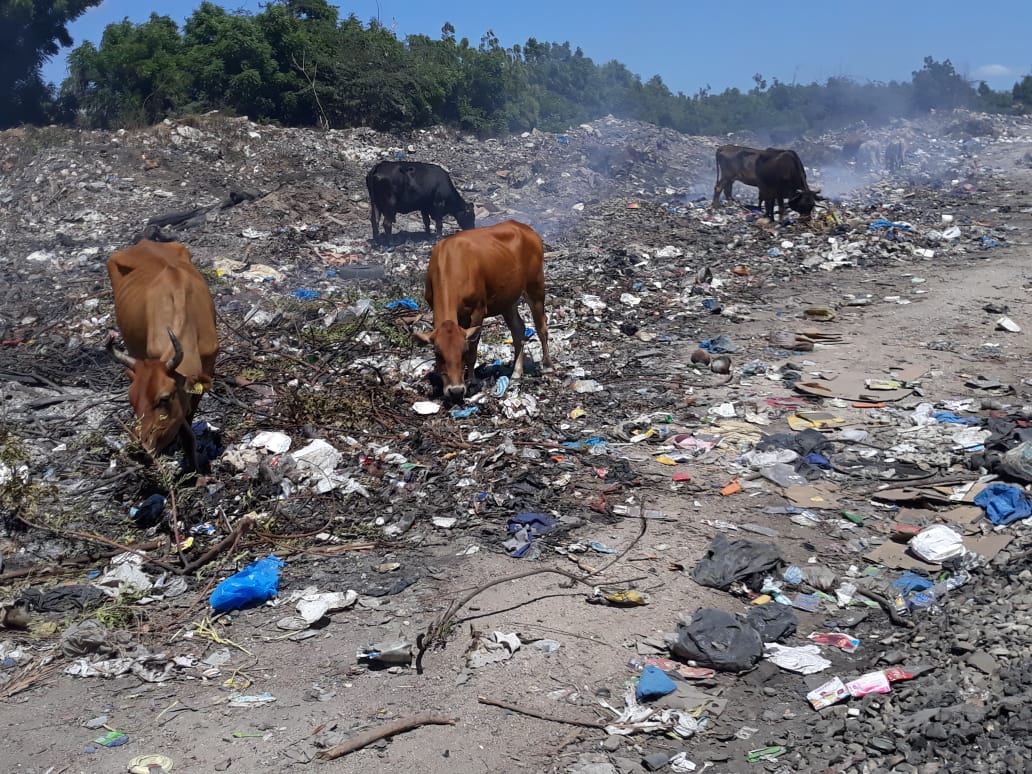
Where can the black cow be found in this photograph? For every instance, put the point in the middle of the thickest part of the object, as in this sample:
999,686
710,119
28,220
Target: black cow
781,176
407,186
734,162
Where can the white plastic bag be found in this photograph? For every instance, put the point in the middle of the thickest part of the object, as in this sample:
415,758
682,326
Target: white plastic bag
937,543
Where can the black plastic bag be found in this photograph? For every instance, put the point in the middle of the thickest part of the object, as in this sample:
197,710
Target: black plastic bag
773,621
716,639
745,560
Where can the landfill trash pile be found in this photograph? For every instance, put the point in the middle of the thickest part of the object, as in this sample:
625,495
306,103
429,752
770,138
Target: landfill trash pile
769,513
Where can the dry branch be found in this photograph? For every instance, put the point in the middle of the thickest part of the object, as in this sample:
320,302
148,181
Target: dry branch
539,715
438,630
399,726
226,544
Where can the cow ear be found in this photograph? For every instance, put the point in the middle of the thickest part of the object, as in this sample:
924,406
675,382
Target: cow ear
423,338
471,334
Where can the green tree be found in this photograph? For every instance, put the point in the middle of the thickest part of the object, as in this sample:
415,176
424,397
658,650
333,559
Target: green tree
230,62
938,86
1021,95
302,35
135,77
31,32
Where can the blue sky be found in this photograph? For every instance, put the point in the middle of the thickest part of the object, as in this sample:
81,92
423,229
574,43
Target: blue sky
695,44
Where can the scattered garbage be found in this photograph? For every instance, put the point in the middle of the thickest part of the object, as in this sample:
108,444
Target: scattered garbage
397,652
805,659
489,649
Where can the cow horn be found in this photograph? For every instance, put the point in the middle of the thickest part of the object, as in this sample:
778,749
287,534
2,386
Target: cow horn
122,357
177,356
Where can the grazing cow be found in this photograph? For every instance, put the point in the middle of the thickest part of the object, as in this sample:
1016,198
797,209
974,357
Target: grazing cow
781,176
407,186
477,274
734,162
167,318
894,153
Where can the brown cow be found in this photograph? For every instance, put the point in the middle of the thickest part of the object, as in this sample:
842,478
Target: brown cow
167,318
734,162
481,273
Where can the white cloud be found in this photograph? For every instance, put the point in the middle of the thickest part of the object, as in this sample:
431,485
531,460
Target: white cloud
993,71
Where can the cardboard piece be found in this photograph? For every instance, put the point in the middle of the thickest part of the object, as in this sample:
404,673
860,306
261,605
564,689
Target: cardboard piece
909,373
965,515
913,494
851,387
815,496
895,555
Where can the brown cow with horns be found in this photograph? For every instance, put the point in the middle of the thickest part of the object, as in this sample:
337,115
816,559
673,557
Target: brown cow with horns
166,316
481,273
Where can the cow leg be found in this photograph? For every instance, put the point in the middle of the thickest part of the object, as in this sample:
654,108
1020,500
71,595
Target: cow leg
536,299
518,330
189,443
374,218
469,359
426,223
388,225
439,225
716,191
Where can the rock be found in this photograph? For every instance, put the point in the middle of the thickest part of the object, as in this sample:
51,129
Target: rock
982,661
881,744
655,761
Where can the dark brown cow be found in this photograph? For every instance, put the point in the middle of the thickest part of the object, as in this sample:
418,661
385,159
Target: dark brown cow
167,318
781,176
734,162
477,274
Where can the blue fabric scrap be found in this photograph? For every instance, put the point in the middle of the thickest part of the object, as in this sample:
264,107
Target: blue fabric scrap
1004,503
719,345
949,418
535,523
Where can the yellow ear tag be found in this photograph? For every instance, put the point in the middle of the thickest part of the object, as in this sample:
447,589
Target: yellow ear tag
198,389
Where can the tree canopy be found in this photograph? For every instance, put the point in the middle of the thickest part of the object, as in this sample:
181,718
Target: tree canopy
296,62
31,32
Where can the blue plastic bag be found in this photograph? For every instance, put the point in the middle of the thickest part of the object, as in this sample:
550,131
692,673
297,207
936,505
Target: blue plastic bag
653,684
257,582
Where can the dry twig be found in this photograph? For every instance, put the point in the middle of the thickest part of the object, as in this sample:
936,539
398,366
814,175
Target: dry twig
539,715
398,726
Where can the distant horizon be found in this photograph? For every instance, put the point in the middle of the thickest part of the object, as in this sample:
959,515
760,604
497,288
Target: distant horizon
876,42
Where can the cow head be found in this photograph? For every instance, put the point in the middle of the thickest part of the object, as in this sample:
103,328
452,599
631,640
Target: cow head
159,395
804,201
451,342
466,216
